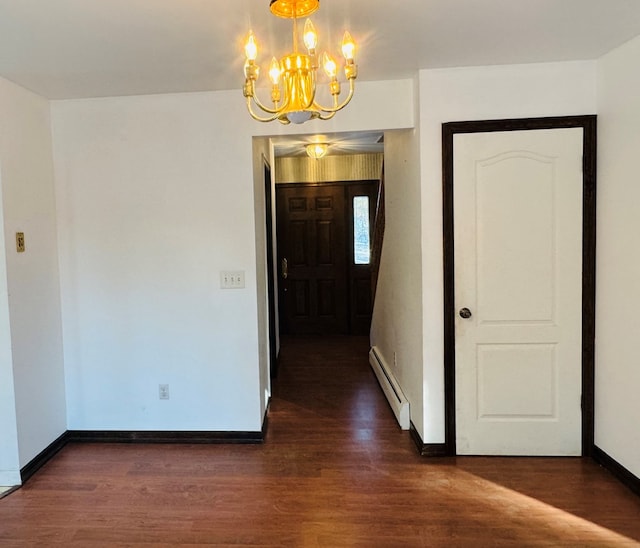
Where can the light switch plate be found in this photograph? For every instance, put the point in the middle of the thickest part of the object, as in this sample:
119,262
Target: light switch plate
232,279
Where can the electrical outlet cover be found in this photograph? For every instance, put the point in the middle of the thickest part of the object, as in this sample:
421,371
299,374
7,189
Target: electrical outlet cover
163,391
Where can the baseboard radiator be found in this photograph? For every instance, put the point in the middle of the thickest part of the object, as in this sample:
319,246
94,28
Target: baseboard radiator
397,400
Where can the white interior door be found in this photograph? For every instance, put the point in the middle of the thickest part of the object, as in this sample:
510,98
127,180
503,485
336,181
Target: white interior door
518,270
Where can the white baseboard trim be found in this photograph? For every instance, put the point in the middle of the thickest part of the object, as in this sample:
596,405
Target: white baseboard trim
396,398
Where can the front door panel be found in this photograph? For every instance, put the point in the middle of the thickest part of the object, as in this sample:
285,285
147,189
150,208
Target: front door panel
311,249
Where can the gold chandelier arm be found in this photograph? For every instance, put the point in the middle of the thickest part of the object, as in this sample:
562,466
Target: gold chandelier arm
326,113
276,111
336,107
250,93
328,116
259,118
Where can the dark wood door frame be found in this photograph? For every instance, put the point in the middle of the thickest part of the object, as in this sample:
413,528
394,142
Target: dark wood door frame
271,283
589,125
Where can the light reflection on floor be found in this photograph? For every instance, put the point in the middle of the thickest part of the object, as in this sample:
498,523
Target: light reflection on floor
538,515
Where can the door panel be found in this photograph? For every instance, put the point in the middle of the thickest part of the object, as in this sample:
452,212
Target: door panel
362,297
516,246
530,370
301,299
518,268
326,298
324,231
297,255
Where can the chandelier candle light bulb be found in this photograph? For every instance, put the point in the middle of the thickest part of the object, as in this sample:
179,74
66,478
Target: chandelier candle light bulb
275,71
310,37
329,65
348,46
251,48
293,77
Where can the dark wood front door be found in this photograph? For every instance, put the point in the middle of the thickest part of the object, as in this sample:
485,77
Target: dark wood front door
325,275
311,242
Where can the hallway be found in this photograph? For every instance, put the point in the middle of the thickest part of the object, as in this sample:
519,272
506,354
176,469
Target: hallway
335,471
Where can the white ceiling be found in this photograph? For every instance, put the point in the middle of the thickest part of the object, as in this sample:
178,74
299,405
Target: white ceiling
357,142
90,48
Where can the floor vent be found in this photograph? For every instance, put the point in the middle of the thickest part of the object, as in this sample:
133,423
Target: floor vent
397,400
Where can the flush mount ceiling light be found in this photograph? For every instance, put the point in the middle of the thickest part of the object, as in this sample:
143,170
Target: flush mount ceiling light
317,150
293,78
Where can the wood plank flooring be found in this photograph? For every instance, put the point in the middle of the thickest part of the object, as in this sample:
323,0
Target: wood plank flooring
335,471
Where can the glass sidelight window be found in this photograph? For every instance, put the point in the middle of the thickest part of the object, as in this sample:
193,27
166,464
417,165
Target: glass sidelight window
361,230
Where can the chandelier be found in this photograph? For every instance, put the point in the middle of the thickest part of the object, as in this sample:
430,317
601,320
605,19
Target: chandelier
293,77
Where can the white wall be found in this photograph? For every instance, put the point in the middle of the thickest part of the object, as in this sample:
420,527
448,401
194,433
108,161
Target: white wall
446,95
33,281
155,197
396,326
9,456
618,257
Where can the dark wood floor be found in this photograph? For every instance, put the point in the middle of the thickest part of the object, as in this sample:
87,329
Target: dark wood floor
335,471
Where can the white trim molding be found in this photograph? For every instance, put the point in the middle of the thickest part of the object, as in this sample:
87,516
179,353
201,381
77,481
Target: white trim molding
396,398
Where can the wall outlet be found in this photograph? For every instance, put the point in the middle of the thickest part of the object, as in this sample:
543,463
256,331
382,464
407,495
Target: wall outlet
163,391
232,279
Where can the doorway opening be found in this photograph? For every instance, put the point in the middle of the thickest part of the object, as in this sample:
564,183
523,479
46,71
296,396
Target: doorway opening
323,218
